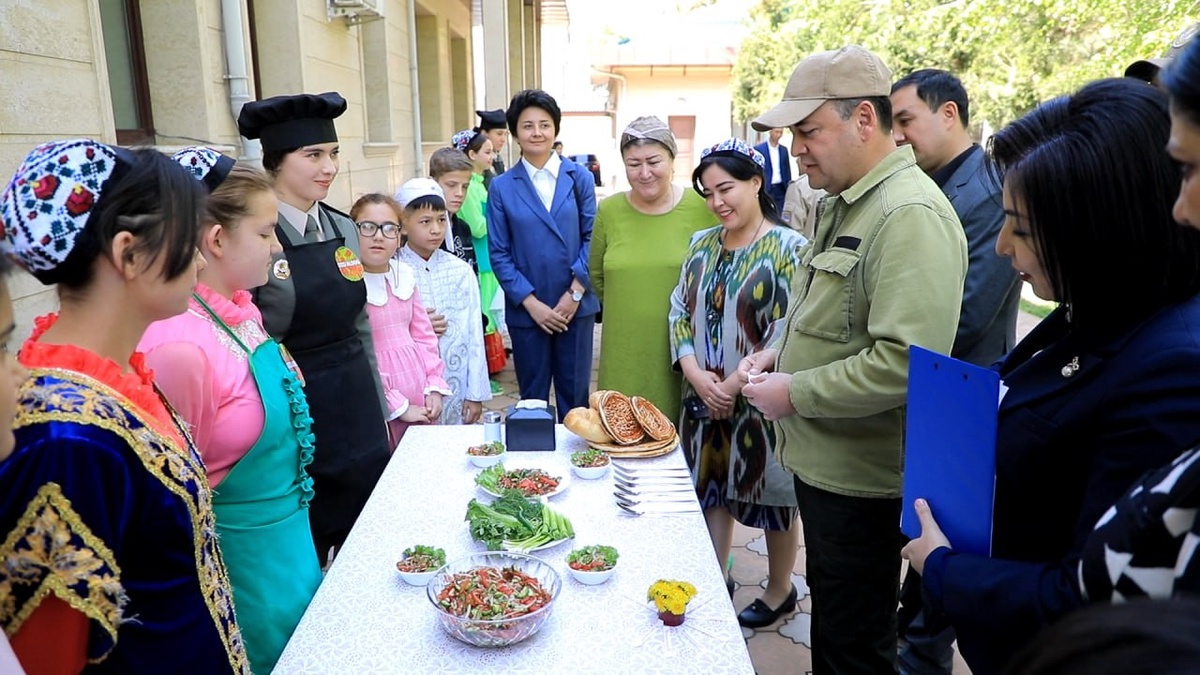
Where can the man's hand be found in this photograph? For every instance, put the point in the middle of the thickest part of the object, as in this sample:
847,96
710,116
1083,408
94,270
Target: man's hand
438,321
763,361
471,411
769,393
931,539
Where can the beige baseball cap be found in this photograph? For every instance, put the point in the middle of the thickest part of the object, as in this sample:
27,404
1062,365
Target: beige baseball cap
1148,69
849,72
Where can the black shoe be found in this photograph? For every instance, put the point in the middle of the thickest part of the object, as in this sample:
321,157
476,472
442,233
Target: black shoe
729,585
758,615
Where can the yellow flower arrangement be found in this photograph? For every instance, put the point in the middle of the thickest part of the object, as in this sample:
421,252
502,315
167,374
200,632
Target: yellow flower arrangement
671,596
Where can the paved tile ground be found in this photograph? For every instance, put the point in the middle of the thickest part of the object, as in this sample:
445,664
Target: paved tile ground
784,647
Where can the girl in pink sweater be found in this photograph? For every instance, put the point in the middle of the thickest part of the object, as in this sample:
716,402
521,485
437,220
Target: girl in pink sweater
406,348
243,399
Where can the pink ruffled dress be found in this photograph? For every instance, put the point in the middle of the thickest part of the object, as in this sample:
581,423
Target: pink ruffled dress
406,348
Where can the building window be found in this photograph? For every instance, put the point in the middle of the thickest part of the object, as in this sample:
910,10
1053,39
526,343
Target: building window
125,57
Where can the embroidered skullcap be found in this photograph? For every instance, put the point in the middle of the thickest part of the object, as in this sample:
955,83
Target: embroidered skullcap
286,122
649,128
492,119
463,138
207,165
735,147
417,188
51,198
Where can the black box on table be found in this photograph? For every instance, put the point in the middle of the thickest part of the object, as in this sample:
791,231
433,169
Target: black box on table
527,428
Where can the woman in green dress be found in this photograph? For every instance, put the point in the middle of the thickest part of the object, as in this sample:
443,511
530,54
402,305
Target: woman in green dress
638,243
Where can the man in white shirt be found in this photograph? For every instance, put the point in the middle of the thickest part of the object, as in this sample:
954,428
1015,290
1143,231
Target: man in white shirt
777,174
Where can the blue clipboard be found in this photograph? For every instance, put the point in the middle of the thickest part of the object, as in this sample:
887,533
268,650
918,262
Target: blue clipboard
950,448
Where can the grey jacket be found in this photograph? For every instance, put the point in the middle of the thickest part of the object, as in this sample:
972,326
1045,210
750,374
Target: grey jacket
992,292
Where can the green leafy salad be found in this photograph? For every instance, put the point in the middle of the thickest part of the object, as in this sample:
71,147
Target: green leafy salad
516,523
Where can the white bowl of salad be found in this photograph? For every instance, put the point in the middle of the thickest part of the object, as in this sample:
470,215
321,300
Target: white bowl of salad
418,564
590,464
592,565
494,599
486,454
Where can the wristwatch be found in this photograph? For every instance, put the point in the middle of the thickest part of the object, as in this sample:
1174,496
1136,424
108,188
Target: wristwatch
577,295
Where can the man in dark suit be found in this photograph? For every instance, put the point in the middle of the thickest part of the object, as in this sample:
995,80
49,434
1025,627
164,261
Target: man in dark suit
778,171
930,112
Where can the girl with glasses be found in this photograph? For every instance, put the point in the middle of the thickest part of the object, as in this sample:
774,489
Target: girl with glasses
406,348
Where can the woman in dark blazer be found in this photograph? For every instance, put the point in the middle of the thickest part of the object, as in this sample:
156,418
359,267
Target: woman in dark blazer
1105,388
540,215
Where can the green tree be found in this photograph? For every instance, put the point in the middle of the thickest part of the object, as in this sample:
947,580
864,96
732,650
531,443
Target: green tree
1011,54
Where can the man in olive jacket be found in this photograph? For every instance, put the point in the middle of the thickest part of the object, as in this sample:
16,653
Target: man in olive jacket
885,272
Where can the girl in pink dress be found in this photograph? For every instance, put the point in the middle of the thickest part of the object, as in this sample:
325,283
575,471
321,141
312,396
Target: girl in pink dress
406,349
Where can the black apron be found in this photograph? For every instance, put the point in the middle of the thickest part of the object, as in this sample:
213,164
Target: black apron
352,446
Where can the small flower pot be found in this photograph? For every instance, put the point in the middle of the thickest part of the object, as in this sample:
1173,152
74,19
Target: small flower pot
670,618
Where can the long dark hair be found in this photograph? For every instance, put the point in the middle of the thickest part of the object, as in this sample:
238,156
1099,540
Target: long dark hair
1089,172
741,168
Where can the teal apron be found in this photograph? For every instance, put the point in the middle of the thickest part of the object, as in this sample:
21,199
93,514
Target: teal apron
262,511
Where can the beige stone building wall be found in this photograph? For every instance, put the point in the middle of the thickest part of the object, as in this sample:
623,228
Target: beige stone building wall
55,81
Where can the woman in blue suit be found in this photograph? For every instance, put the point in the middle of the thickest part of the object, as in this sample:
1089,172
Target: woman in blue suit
1105,388
540,215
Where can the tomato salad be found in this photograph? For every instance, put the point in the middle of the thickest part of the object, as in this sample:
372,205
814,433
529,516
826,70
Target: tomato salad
421,559
590,458
486,450
593,558
490,594
529,482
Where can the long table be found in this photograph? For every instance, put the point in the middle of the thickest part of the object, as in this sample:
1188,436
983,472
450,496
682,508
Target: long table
365,619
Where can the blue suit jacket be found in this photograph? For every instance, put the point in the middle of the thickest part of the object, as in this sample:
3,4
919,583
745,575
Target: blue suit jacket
539,252
785,165
992,291
1067,448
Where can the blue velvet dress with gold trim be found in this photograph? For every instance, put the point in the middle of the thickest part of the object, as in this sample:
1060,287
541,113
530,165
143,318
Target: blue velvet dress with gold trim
105,505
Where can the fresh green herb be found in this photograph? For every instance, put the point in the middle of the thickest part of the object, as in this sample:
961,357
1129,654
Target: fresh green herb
516,523
593,558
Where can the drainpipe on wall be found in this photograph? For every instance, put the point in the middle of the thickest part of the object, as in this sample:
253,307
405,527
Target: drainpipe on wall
237,75
418,148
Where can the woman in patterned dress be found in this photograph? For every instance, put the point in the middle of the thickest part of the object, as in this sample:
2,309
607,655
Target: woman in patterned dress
733,285
109,560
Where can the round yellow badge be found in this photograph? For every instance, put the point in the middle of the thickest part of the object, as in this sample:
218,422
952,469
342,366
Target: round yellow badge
348,264
281,270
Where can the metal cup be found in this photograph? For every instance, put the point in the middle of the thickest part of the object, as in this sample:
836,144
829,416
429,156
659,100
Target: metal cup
491,426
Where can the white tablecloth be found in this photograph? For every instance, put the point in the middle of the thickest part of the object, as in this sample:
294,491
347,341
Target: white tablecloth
364,619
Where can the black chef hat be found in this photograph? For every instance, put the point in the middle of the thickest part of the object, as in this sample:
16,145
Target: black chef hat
491,119
285,122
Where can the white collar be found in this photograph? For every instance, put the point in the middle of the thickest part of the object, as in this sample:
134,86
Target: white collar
552,165
399,278
299,219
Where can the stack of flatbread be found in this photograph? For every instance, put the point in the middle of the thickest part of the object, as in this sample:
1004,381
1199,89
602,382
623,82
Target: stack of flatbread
623,426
